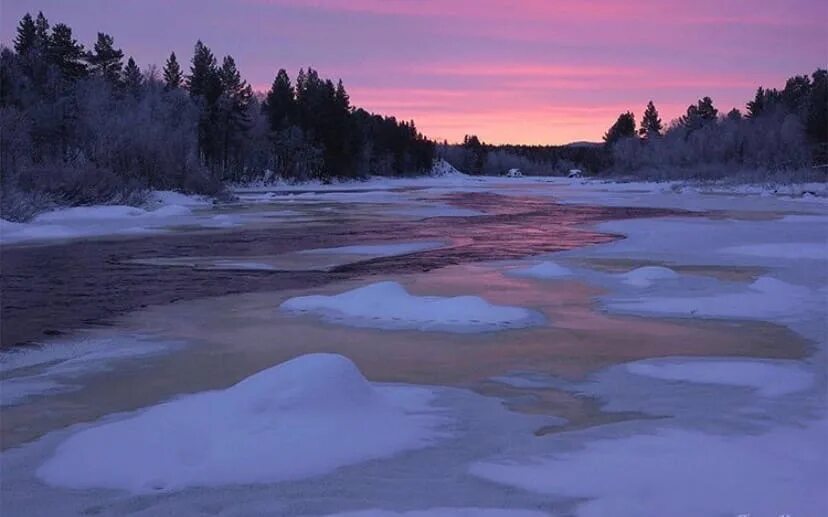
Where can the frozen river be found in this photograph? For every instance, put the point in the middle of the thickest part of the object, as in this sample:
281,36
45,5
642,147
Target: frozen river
452,346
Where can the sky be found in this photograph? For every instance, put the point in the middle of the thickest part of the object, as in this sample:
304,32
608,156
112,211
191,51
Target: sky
527,72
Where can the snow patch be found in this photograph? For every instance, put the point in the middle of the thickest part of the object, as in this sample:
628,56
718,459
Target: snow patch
768,378
682,473
302,418
389,305
785,250
645,276
765,298
545,270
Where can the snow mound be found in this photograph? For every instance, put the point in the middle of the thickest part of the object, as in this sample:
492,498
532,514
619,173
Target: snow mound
544,270
645,276
682,473
766,298
302,418
768,378
444,168
389,305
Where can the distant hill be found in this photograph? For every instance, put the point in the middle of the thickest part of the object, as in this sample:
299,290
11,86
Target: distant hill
584,144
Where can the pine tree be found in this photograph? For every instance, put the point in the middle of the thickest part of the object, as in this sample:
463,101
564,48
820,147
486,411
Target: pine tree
280,103
795,94
734,115
816,123
624,127
132,77
26,35
41,32
105,60
706,110
204,84
66,53
343,101
173,78
757,105
650,122
234,102
699,114
204,80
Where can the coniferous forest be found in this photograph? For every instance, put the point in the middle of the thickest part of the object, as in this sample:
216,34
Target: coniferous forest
86,124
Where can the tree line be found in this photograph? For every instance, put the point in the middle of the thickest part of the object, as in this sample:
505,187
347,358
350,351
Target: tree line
781,131
83,125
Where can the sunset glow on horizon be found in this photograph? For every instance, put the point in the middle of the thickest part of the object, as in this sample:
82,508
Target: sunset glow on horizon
530,72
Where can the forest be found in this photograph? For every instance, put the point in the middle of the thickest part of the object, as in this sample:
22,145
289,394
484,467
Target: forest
84,126
88,125
782,134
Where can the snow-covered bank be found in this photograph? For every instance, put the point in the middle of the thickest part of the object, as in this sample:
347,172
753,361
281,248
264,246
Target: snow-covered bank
417,197
389,305
163,209
301,418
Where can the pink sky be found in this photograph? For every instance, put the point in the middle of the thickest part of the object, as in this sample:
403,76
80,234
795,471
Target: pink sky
532,71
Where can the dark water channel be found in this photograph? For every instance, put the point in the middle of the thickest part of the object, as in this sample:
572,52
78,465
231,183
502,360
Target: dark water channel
51,289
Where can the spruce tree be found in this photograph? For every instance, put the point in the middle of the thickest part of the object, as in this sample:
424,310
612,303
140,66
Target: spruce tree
280,103
734,115
173,78
233,116
26,35
757,105
41,32
204,80
234,89
650,122
204,84
699,114
343,101
66,53
105,60
132,77
816,122
706,110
